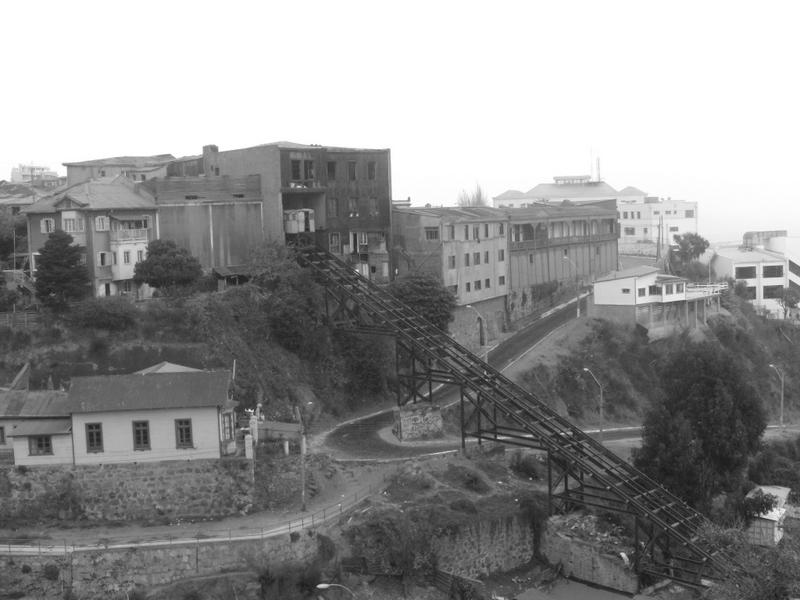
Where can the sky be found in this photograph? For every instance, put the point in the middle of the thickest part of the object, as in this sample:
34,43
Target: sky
689,100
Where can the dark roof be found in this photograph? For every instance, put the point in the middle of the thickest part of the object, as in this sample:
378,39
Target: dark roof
133,162
233,271
462,213
151,391
556,211
42,427
108,193
32,404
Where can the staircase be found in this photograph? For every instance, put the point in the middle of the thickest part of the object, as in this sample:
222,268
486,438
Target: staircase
495,408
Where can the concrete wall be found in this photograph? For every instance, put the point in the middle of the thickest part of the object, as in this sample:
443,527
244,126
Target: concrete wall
465,327
117,430
62,451
418,422
165,490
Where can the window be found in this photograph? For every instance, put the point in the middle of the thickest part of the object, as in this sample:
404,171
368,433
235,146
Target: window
2,436
94,437
126,257
502,228
47,225
371,170
352,207
308,169
466,232
333,207
625,215
773,291
101,223
630,231
466,259
143,177
431,234
476,232
73,224
668,288
477,285
296,170
626,290
82,259
689,214
227,426
530,258
331,169
113,258
451,262
476,258
678,288
141,435
351,170
102,173
139,255
501,280
183,433
667,212
638,215
102,258
751,293
794,268
486,257
597,251
467,286
39,445
453,289
501,255
127,286
745,273
335,242
641,292
656,212
773,270
451,232
486,230
487,284
654,290
673,229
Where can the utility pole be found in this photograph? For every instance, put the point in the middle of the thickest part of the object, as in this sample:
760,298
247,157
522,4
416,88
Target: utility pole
299,417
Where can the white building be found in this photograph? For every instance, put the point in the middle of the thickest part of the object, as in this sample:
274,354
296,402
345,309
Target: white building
763,272
31,173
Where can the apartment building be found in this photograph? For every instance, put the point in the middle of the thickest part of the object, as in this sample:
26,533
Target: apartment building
467,248
349,190
113,218
764,272
552,249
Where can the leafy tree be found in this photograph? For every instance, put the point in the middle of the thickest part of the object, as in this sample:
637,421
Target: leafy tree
690,247
475,198
697,438
427,296
60,276
167,266
12,229
788,300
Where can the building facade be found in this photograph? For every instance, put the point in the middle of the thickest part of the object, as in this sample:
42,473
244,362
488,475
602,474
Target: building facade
763,272
135,168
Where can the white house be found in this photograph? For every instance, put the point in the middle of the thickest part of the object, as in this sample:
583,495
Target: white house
658,302
762,271
166,412
766,529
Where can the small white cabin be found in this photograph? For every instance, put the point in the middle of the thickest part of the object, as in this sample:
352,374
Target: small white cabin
767,528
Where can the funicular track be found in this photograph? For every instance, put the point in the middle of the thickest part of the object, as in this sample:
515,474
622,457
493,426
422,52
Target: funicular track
581,471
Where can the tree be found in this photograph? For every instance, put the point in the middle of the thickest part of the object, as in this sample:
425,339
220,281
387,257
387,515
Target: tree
167,266
788,300
427,296
698,437
690,247
476,198
60,276
13,234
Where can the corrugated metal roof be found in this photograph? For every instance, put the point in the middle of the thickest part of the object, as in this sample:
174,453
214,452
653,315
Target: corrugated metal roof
156,390
32,404
117,193
42,427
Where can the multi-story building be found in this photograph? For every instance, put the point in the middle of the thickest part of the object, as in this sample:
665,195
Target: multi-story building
467,248
135,168
555,248
113,218
763,271
647,224
349,190
32,174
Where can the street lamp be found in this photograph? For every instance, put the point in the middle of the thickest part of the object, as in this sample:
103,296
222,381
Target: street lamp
577,289
325,586
482,332
600,385
780,375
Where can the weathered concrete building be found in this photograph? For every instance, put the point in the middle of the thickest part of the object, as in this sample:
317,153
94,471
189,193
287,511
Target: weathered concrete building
135,168
349,190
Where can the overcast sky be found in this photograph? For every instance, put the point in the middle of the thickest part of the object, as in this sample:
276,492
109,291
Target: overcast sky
691,100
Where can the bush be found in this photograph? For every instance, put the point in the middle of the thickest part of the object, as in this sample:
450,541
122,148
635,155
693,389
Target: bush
526,465
112,314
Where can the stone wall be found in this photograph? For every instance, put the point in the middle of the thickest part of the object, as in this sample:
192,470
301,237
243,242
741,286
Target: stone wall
109,574
418,422
120,492
485,547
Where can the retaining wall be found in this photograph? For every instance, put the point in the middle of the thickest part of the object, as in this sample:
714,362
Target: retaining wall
163,490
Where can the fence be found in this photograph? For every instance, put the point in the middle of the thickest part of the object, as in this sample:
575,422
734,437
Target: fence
21,319
18,547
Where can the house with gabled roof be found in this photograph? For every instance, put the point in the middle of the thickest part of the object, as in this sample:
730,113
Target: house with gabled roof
165,412
659,303
35,415
113,218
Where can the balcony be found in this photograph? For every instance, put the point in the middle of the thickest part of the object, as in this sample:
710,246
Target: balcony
548,242
303,186
102,271
128,235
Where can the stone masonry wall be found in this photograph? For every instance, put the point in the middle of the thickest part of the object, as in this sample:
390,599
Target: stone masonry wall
162,491
109,574
485,547
418,422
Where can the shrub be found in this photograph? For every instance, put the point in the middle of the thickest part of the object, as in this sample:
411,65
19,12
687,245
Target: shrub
526,465
113,314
